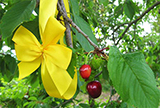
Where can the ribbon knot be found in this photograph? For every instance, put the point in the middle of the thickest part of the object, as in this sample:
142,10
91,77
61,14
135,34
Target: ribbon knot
42,49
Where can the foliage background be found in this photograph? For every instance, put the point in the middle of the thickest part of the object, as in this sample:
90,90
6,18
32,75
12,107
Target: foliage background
104,21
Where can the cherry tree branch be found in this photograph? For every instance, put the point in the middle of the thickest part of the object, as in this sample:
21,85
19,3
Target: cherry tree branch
76,27
68,30
114,30
118,27
136,20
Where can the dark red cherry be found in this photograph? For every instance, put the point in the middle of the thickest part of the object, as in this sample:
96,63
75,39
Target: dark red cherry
94,89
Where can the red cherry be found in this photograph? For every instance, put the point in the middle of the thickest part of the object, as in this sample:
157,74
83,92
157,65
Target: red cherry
94,89
85,71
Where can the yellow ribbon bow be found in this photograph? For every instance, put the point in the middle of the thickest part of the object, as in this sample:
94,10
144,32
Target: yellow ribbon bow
53,58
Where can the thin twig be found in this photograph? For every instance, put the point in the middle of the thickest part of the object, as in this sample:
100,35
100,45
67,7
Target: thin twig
98,74
37,3
76,27
134,21
2,53
68,30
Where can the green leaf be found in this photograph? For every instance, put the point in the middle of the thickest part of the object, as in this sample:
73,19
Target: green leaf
133,79
105,73
11,2
33,26
80,82
33,79
84,26
1,44
17,14
9,42
72,65
2,63
1,12
129,9
118,10
75,7
8,67
10,62
96,62
83,105
104,2
123,105
25,104
32,98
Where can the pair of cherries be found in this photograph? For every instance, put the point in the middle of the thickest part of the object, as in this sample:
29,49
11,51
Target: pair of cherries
94,88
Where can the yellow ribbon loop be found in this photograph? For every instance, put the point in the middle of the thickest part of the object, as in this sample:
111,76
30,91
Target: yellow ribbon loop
53,58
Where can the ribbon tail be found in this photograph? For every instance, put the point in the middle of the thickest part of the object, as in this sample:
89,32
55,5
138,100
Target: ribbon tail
48,83
72,88
57,82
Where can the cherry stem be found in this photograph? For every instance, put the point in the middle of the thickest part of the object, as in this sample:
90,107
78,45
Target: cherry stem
87,57
91,101
104,49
